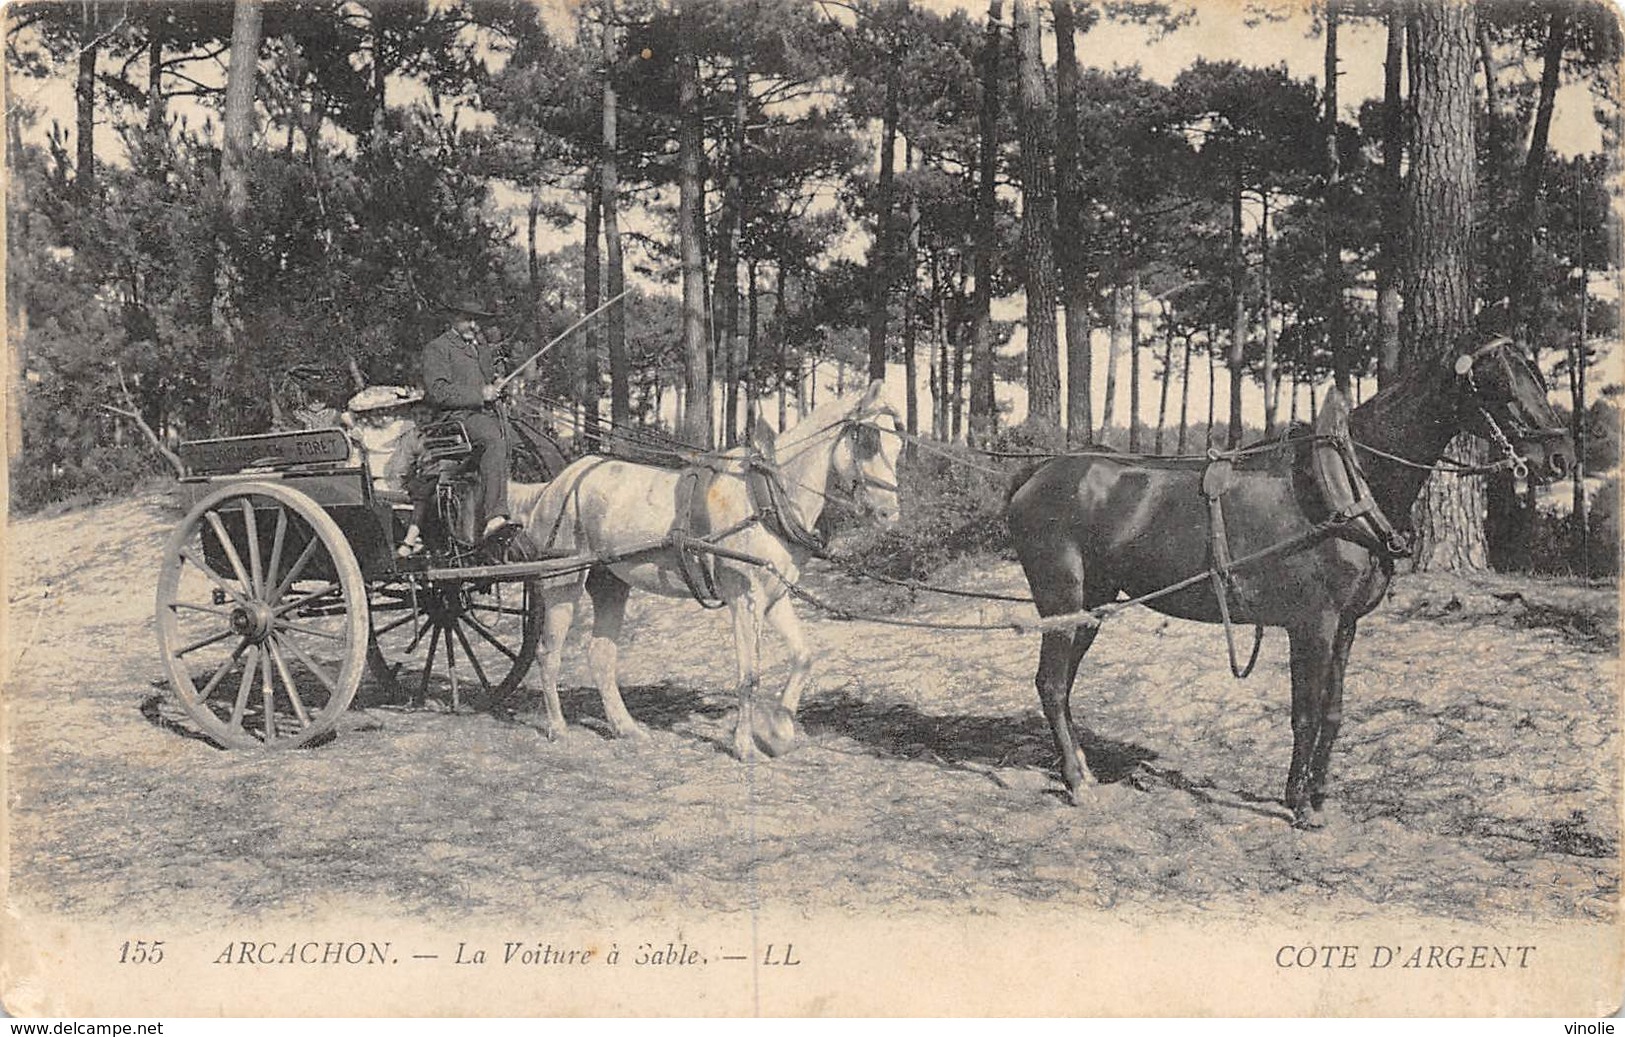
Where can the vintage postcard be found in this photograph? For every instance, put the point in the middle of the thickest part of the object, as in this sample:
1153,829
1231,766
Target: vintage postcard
809,507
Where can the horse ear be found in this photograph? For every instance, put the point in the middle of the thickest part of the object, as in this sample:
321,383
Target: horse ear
763,438
871,395
1333,419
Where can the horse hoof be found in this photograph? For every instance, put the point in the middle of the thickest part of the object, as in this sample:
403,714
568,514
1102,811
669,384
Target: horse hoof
1304,821
773,730
631,730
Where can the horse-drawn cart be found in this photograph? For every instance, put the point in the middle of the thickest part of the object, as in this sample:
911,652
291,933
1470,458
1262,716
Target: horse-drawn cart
282,588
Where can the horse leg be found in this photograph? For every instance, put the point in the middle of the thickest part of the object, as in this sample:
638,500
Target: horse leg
1311,669
1331,714
782,615
1058,660
558,602
745,607
609,593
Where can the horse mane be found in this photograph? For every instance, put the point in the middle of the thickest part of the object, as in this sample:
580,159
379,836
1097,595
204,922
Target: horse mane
820,419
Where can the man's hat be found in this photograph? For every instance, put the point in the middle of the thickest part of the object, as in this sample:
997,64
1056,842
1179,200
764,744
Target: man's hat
468,306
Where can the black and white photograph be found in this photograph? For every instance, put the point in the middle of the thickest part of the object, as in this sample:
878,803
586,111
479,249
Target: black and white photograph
540,508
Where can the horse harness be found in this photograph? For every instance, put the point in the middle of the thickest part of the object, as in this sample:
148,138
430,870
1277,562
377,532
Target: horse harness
693,541
1354,516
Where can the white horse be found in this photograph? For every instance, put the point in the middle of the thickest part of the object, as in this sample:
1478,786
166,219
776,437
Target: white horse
845,451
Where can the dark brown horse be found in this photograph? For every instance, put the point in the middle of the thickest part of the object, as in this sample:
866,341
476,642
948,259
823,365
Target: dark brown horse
1087,527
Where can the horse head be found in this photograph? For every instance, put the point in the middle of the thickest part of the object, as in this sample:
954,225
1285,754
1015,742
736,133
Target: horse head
1502,397
863,467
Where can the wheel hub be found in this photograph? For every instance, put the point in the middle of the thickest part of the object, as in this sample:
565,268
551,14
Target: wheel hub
252,620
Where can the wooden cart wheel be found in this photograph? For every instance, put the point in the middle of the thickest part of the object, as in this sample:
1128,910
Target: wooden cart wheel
262,617
453,641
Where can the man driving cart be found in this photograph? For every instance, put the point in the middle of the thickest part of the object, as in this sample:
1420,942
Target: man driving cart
460,382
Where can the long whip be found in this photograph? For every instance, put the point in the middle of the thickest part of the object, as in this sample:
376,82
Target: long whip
502,383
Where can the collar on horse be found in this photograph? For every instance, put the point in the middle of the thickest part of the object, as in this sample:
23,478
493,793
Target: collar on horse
1354,516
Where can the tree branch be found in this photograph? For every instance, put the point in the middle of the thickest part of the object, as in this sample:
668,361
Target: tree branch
134,413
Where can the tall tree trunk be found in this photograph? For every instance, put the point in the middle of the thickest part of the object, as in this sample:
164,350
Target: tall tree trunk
17,220
609,185
1449,515
939,355
1037,224
1070,246
752,347
881,266
1185,397
592,431
1390,260
1134,420
1167,377
727,272
1337,323
1266,288
238,132
1527,282
911,365
1238,331
696,423
981,390
157,107
84,99
1212,380
780,325
1577,412
1114,349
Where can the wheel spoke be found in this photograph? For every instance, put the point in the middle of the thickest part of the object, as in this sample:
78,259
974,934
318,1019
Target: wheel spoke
214,610
428,624
252,528
277,539
310,664
240,707
395,625
498,609
295,569
428,665
268,693
305,599
220,674
473,660
214,577
483,631
205,642
236,561
287,679
300,628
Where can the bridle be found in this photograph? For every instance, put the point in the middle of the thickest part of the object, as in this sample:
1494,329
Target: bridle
865,436
1510,458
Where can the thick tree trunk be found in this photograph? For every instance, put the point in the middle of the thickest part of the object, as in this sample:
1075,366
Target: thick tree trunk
609,185
1337,323
1070,246
882,269
726,306
696,421
157,106
1390,261
84,100
16,216
911,365
981,390
239,114
1449,515
752,346
1037,226
1167,379
1212,380
1527,289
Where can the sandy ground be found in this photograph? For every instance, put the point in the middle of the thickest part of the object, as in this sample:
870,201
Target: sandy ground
1477,777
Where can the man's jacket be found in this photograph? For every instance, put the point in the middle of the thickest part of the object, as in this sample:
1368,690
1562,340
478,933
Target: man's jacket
455,371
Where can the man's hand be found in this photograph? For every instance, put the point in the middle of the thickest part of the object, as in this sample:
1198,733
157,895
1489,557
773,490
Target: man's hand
490,392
